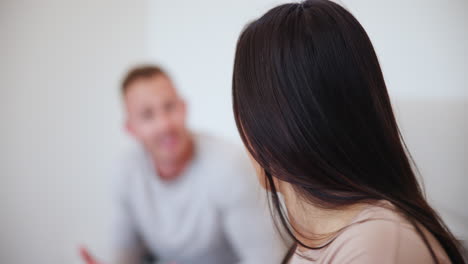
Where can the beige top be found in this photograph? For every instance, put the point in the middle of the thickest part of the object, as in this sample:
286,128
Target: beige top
384,237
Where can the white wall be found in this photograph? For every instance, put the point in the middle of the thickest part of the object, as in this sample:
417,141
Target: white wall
60,66
423,48
61,62
195,41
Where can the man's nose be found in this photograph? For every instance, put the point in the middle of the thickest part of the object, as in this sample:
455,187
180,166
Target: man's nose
163,122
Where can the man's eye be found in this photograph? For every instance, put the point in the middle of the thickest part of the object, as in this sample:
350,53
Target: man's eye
169,106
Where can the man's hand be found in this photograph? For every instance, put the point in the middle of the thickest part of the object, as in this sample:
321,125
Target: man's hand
87,257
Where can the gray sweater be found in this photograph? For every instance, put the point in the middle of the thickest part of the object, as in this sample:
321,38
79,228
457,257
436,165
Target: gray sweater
215,213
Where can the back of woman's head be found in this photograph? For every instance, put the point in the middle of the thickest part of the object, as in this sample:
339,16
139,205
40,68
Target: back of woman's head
311,105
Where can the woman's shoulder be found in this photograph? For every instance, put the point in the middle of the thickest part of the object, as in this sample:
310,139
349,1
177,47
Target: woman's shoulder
379,234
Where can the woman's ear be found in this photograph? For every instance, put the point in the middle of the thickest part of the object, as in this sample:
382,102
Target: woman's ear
262,179
279,185
277,182
259,172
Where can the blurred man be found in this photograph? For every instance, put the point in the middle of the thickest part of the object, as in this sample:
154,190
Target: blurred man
183,197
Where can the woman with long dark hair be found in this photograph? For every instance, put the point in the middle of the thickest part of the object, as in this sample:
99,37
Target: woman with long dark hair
312,109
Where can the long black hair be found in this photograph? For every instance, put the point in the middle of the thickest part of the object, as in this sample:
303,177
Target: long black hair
311,105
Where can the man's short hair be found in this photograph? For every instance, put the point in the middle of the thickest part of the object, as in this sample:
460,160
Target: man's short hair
140,72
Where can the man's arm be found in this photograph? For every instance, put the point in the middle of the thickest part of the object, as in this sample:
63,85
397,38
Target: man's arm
126,246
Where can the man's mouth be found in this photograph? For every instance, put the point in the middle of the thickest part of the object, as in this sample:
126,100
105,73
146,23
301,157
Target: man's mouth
168,141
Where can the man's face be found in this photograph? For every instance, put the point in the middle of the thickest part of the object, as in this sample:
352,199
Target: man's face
156,116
